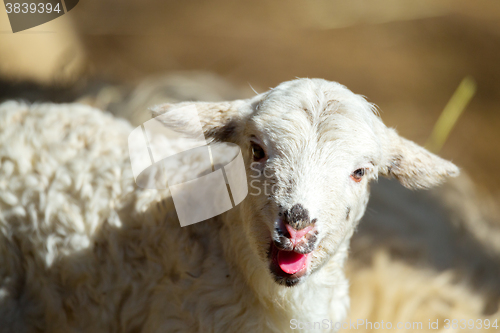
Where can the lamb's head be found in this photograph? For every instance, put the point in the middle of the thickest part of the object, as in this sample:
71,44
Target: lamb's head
311,148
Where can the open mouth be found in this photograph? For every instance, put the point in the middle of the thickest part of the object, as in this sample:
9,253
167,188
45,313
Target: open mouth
288,267
290,254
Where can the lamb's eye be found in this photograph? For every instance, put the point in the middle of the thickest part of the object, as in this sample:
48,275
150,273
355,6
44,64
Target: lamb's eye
257,152
357,175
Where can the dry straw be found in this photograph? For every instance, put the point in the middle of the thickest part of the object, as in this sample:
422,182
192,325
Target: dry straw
451,113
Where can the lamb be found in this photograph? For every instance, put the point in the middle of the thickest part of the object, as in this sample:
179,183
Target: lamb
83,248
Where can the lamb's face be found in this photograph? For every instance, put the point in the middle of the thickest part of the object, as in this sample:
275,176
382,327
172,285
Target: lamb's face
311,148
310,157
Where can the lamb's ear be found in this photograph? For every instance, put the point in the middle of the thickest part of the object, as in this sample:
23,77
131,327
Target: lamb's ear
414,166
220,121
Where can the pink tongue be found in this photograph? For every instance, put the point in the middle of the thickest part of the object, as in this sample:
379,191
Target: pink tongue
291,262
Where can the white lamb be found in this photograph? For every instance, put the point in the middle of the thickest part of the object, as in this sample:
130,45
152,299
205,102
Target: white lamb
83,249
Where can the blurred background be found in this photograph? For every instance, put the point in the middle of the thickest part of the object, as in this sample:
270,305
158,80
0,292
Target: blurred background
408,57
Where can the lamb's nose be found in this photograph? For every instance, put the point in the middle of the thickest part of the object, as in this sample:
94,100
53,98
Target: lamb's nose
296,236
295,231
297,218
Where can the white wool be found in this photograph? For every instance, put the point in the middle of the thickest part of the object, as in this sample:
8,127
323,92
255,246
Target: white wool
83,249
413,296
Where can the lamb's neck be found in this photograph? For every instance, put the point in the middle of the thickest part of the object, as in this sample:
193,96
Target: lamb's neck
324,293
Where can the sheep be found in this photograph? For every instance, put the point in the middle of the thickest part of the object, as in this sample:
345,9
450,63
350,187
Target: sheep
83,248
